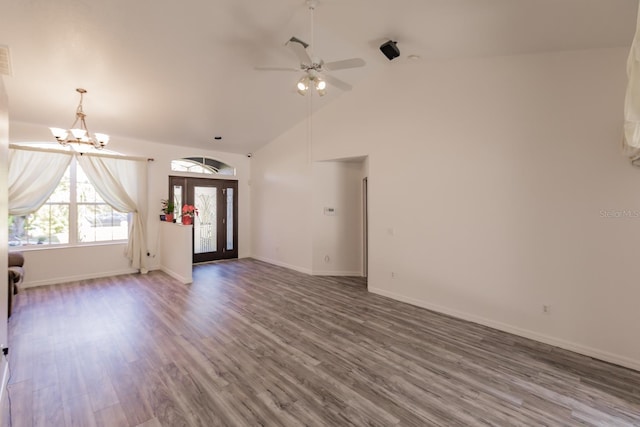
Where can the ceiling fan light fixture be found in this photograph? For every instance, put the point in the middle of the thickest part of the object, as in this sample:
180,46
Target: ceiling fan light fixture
314,67
321,86
311,80
303,85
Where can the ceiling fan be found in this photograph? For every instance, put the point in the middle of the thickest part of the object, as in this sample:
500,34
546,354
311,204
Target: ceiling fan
314,68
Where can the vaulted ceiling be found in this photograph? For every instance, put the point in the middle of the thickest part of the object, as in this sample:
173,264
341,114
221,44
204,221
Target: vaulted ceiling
182,72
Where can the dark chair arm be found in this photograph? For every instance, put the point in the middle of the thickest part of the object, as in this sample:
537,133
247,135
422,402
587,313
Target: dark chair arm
16,274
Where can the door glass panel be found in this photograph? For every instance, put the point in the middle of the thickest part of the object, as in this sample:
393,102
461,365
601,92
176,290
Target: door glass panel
177,199
229,219
204,229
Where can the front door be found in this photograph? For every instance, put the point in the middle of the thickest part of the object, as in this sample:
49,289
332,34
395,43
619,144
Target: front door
215,228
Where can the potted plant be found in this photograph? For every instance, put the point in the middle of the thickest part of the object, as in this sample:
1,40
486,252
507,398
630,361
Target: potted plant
168,207
188,212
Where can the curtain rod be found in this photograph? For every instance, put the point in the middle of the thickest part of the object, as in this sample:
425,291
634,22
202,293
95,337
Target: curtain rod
72,153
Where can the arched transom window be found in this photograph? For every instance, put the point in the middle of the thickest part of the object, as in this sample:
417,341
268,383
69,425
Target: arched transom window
203,165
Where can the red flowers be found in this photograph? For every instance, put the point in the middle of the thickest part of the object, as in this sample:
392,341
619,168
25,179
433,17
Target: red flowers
189,210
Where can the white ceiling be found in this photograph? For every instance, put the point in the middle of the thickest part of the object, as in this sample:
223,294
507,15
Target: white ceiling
182,72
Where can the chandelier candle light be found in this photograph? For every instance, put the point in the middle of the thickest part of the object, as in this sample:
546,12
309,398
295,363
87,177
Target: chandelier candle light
80,135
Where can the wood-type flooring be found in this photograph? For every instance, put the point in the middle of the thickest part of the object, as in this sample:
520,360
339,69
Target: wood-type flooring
252,344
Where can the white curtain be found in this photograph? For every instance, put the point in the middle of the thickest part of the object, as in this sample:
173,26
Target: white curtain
122,184
632,100
33,176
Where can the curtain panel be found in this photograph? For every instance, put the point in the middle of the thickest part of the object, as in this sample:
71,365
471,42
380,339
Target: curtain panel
122,184
34,174
33,177
631,143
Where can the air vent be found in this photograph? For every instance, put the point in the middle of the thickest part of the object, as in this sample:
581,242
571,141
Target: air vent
5,61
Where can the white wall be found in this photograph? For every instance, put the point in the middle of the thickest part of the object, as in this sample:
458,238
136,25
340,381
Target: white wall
47,266
337,238
281,203
50,266
4,244
490,182
176,250
4,232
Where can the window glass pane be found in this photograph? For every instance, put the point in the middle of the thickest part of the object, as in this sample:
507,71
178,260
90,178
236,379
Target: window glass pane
190,166
16,230
177,198
100,223
57,230
85,192
50,225
229,219
61,193
203,165
204,229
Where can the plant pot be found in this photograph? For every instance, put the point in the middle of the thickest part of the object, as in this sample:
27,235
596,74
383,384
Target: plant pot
187,220
169,217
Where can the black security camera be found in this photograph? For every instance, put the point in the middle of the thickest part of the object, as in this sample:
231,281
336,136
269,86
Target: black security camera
390,49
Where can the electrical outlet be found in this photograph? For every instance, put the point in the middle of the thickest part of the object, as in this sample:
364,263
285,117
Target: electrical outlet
393,274
546,309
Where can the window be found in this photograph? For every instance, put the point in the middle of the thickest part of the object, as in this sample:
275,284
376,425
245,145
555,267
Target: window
74,214
202,165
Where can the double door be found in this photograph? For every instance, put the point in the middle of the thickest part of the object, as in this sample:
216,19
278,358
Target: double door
215,228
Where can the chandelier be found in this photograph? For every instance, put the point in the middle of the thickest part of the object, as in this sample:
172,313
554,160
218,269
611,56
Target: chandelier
80,135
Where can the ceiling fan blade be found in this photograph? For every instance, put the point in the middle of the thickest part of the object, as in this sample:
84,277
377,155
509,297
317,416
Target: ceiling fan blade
277,69
299,48
344,64
337,82
297,40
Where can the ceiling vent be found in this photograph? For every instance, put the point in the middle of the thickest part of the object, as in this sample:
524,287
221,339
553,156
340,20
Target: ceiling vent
5,61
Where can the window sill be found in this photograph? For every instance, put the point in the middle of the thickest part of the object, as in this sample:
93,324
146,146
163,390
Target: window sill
36,247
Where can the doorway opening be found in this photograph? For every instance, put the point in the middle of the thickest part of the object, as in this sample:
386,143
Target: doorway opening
365,229
215,227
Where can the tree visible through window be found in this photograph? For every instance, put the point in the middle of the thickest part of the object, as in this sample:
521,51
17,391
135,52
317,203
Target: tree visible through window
74,214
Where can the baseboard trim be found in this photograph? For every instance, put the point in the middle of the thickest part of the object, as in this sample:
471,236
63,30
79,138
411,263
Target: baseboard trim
180,278
283,264
525,333
336,273
67,279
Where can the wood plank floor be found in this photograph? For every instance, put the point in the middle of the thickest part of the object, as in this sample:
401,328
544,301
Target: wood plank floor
253,344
